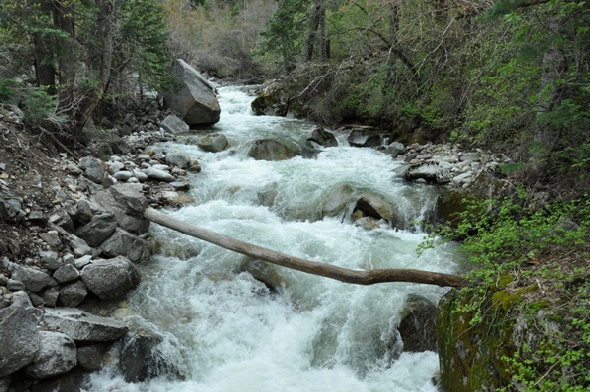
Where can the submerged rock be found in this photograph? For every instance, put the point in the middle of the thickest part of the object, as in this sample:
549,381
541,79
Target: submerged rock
270,150
141,359
215,142
322,137
417,325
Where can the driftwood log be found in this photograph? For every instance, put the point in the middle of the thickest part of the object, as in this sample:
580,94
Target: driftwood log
310,267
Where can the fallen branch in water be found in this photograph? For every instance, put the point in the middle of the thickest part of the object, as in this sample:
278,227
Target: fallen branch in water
310,267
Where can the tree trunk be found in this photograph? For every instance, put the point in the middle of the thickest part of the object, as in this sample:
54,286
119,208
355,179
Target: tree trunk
314,21
44,68
307,266
106,21
63,18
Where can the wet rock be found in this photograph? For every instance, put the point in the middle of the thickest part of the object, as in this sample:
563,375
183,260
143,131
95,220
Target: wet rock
75,380
73,294
270,150
159,175
214,142
141,359
336,201
111,278
273,100
84,326
394,149
191,95
98,229
93,168
364,138
66,273
417,325
122,243
180,160
370,205
91,357
56,355
33,279
19,334
174,125
322,137
263,272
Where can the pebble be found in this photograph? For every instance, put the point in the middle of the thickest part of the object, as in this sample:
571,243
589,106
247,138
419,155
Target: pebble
2,166
123,175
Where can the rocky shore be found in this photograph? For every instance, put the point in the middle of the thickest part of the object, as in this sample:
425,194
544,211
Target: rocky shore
72,233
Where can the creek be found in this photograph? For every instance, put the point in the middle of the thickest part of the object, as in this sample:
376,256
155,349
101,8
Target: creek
227,331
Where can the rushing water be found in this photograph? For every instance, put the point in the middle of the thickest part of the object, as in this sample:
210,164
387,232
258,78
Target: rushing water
226,331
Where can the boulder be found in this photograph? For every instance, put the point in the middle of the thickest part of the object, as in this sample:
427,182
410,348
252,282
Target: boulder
130,201
56,355
66,273
364,138
93,168
370,205
191,95
91,357
98,229
122,243
263,272
111,278
81,212
158,174
84,326
214,142
50,297
270,150
142,360
33,279
73,294
18,333
50,260
433,173
181,160
394,149
130,198
273,100
322,137
417,325
174,125
337,200
79,246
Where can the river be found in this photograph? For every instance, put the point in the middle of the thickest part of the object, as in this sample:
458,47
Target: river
226,331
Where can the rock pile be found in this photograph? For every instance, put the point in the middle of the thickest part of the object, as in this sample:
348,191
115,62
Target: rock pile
86,231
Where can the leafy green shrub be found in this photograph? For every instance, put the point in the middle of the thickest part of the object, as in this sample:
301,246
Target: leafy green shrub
40,106
7,89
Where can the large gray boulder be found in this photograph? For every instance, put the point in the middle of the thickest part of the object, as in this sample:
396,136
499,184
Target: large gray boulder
174,125
98,229
273,100
83,326
93,168
122,243
56,355
110,279
33,279
191,95
18,333
270,150
214,142
322,137
361,137
125,201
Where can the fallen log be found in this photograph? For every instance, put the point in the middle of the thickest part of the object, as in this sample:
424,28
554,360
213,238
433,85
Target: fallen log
310,267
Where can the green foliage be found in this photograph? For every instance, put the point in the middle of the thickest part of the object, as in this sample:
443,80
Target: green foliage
284,34
39,106
7,89
506,239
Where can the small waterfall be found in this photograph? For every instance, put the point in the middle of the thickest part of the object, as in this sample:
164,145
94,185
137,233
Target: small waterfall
225,330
